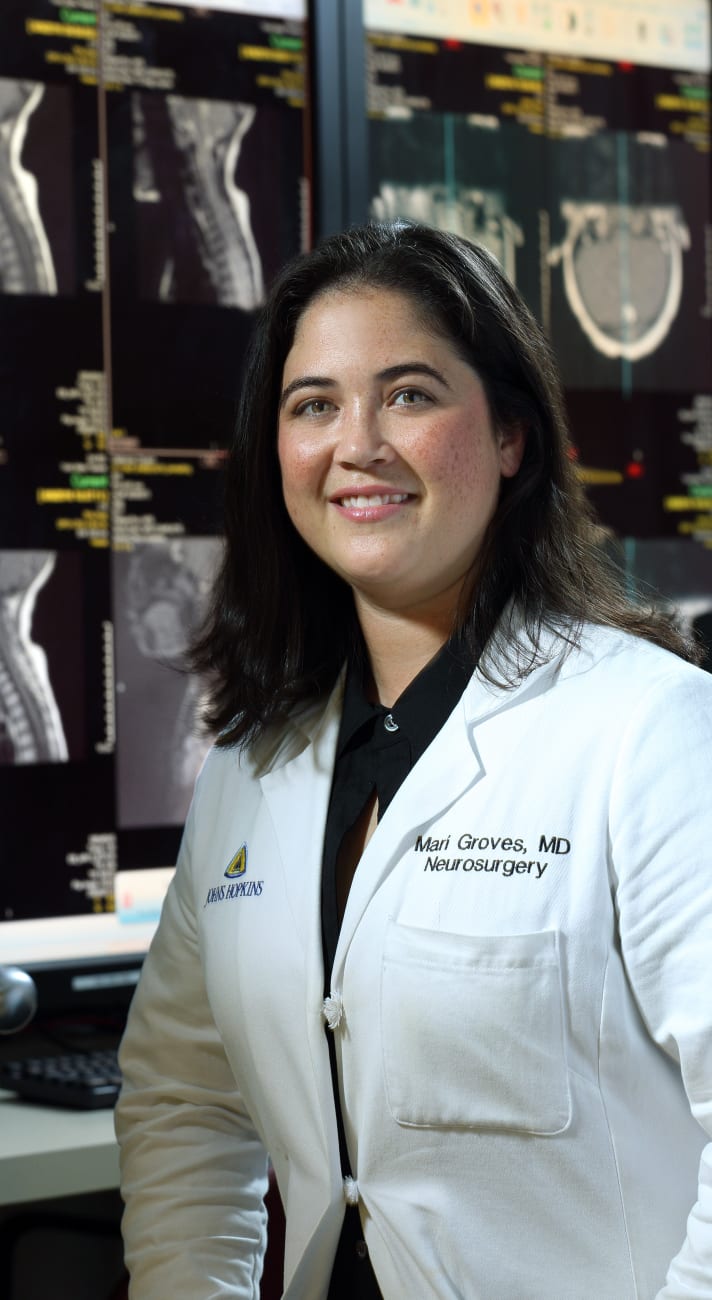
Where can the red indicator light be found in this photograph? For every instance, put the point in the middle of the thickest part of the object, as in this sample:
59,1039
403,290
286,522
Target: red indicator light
634,469
626,67
452,45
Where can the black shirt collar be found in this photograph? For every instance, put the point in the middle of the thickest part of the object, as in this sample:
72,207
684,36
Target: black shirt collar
423,707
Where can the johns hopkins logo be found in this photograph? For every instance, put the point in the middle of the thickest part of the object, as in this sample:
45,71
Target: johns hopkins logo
238,865
238,887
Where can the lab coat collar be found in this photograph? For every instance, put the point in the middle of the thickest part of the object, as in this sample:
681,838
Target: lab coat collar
296,770
454,762
512,653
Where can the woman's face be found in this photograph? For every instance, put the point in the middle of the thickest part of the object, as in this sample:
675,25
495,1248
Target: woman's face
391,468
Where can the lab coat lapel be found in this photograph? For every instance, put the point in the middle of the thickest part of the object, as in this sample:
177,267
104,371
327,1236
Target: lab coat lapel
450,765
297,795
454,761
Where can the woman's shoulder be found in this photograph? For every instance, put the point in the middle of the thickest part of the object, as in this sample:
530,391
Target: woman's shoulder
634,666
566,648
276,745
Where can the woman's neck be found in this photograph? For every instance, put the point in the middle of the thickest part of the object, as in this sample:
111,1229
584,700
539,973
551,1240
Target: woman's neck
400,644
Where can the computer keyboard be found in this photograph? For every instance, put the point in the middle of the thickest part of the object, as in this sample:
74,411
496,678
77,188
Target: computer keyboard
84,1080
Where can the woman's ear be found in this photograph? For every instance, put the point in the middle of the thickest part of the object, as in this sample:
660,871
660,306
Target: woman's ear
512,442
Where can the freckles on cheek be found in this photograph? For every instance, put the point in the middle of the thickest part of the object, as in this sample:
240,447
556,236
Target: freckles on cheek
294,466
298,455
460,469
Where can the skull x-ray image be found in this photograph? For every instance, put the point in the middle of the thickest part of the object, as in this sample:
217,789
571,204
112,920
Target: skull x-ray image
31,729
622,269
626,263
186,160
160,589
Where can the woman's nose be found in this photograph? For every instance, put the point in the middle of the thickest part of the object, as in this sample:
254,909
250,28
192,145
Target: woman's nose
362,439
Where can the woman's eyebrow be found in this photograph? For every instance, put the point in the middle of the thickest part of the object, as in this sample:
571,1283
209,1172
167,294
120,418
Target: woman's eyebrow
412,368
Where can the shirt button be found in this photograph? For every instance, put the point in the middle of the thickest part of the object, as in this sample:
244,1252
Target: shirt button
390,723
332,1010
362,1249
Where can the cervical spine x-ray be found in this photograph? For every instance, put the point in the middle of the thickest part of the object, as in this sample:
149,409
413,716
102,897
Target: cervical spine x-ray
26,264
31,728
206,138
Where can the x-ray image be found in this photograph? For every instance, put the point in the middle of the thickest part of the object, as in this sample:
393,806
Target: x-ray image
480,182
160,589
31,729
478,215
194,217
35,256
627,264
622,270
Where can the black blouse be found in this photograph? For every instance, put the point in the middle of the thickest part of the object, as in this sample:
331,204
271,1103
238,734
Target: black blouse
376,749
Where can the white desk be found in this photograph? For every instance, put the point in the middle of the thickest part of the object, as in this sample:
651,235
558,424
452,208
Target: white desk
46,1151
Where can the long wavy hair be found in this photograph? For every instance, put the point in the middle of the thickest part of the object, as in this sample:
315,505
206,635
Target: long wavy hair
281,623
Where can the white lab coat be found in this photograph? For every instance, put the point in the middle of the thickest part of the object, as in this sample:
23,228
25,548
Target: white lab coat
521,1001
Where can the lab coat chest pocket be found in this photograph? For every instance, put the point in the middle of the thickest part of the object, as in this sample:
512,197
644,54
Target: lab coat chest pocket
473,1031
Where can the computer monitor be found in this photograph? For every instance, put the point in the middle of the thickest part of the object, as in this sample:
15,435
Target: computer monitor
85,964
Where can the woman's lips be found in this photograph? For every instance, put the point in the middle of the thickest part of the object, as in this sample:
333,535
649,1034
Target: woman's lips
361,500
365,507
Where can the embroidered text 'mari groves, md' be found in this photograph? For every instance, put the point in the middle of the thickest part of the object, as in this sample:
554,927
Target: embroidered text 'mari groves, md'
433,847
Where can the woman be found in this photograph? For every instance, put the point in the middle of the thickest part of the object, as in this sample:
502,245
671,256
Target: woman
439,936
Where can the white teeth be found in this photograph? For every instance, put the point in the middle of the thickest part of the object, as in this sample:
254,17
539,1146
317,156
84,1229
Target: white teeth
361,502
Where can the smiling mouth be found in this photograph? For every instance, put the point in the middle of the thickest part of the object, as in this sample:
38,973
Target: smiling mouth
375,499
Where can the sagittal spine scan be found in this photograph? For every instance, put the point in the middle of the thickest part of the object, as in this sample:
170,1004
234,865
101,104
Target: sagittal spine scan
477,214
208,135
30,724
163,588
623,273
26,264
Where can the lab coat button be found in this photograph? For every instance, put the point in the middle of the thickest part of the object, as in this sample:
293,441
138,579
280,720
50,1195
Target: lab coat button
361,1249
333,1010
351,1191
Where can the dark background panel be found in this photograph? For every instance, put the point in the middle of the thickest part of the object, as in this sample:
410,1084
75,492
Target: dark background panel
202,51
176,373
46,342
634,456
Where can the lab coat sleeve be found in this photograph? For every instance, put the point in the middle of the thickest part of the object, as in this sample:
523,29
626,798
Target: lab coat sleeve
661,844
193,1168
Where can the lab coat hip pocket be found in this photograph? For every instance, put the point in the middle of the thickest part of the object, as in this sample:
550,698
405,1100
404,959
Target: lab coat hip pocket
473,1031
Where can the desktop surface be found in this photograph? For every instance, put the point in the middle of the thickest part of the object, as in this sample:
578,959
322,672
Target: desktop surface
46,1151
50,1151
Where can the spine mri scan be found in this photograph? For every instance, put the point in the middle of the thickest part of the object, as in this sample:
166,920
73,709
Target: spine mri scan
26,264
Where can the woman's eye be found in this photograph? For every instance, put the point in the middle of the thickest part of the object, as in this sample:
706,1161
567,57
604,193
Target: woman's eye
410,397
314,406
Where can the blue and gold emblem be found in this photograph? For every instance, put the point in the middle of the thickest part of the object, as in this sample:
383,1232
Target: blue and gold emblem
238,866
